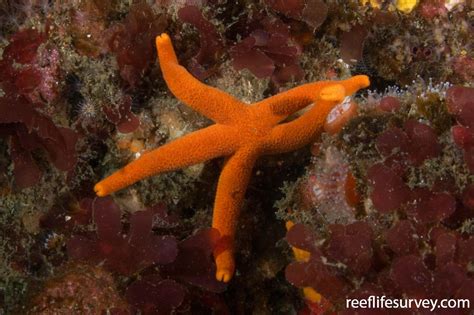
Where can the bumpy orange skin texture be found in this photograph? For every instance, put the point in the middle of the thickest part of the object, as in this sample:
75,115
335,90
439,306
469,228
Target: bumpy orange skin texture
241,133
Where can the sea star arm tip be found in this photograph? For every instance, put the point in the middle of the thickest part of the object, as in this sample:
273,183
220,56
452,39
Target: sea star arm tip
209,101
194,148
363,80
224,275
230,194
356,83
165,49
99,190
161,38
339,90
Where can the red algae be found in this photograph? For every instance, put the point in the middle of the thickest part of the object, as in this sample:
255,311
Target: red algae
35,76
460,104
23,47
417,282
26,172
350,187
423,142
211,47
153,295
27,87
392,141
268,52
352,44
462,136
31,131
445,248
132,41
412,236
468,197
300,236
198,249
169,289
122,117
402,238
123,253
439,207
351,245
312,12
317,275
389,191
245,56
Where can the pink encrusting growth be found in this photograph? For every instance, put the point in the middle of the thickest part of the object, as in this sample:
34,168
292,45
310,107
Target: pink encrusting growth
28,69
28,77
389,104
325,188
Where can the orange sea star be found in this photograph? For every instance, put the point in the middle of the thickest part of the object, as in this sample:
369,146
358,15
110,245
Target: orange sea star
242,133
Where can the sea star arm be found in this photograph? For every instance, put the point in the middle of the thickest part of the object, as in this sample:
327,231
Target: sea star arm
230,193
299,132
286,103
193,148
295,134
209,101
